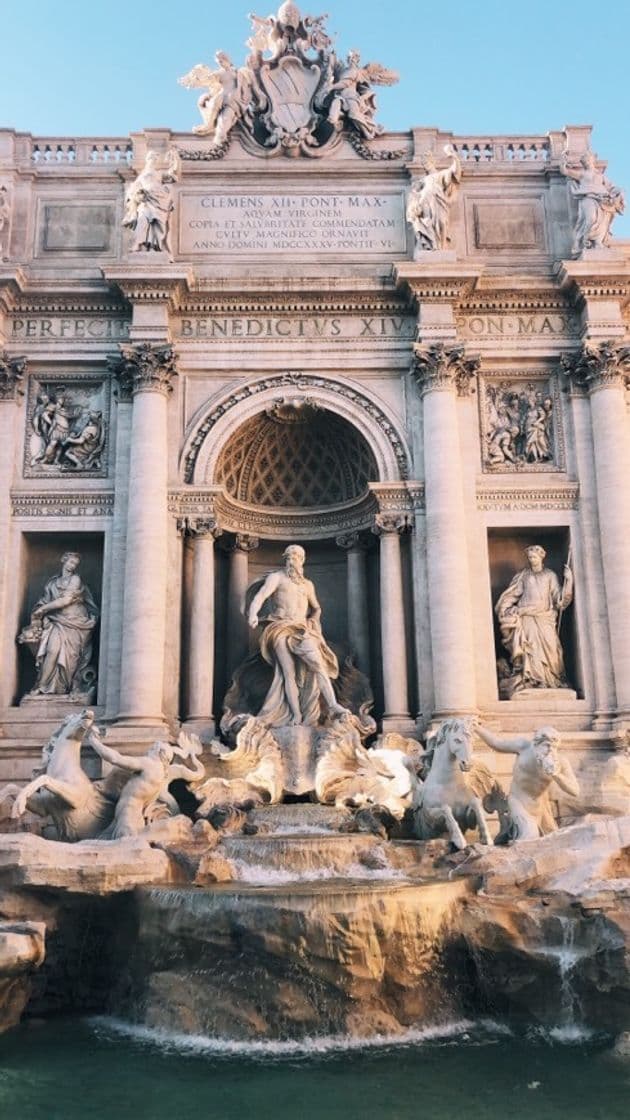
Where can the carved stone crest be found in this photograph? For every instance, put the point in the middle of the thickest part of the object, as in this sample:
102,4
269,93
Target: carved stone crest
292,96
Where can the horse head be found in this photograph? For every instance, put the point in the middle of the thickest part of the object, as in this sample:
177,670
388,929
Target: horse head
456,735
75,725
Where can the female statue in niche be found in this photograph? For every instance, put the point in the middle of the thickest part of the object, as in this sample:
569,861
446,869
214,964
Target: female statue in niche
529,613
60,631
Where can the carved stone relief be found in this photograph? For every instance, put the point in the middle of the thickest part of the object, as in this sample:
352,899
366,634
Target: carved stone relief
67,427
521,425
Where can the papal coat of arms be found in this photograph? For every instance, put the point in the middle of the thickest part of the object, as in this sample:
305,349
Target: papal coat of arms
293,95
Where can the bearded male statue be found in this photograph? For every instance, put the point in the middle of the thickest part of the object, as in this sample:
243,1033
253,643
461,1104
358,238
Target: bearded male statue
286,605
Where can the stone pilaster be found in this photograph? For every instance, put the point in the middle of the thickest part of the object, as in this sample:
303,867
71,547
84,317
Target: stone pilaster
355,548
146,371
201,638
441,372
238,582
602,369
388,527
12,384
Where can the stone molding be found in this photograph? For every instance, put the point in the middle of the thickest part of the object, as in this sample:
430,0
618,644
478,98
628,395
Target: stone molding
596,366
513,498
12,374
440,367
294,303
320,389
53,304
252,521
89,503
150,284
404,497
434,282
143,367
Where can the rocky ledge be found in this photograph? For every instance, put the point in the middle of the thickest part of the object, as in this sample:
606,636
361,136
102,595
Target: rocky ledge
302,928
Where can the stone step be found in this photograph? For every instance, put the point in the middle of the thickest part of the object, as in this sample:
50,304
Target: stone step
300,818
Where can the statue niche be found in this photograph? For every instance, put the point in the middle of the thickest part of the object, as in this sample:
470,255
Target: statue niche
62,622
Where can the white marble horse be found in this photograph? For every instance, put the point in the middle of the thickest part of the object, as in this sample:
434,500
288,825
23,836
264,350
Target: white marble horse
451,800
79,807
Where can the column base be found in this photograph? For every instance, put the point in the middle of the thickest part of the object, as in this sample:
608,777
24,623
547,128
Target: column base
402,724
135,736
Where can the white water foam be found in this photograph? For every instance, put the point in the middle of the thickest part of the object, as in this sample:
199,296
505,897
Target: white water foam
312,1046
259,875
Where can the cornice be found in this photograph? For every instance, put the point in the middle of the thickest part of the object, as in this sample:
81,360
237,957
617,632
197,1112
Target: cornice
390,303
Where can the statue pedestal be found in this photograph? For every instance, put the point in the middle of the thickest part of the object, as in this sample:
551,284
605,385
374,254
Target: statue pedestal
434,256
298,744
544,698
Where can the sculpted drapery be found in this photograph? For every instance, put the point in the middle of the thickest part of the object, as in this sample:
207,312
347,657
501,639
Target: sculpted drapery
64,618
293,644
528,617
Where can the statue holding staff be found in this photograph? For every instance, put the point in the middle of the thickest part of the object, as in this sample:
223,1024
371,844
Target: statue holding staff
528,612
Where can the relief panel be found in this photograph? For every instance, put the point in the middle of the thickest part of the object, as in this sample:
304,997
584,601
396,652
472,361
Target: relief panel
67,430
521,423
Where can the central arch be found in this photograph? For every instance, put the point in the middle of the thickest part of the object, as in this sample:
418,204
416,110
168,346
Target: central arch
296,457
215,424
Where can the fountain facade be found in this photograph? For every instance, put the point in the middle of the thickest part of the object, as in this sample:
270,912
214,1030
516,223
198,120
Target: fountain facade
313,574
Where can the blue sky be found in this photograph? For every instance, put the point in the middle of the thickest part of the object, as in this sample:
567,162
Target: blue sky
109,67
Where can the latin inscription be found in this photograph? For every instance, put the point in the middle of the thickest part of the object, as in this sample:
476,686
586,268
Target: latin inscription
289,327
495,326
92,328
293,223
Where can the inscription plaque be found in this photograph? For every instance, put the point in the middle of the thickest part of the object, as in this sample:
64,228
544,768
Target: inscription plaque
292,223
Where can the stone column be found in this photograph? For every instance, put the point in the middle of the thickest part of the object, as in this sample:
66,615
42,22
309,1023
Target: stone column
12,385
146,371
389,526
200,684
237,628
442,372
357,597
604,370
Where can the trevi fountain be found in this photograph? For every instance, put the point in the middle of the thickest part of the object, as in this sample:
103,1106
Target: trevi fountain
314,609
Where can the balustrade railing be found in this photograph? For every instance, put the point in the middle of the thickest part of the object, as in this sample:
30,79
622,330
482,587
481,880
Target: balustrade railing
54,152
517,149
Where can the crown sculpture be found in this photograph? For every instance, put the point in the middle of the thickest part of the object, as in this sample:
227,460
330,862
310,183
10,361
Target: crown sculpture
293,95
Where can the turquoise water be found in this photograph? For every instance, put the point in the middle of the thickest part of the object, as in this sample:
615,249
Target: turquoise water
69,1070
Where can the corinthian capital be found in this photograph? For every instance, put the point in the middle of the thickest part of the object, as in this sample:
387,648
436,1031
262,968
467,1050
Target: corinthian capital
438,366
392,522
598,366
12,371
195,527
144,367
